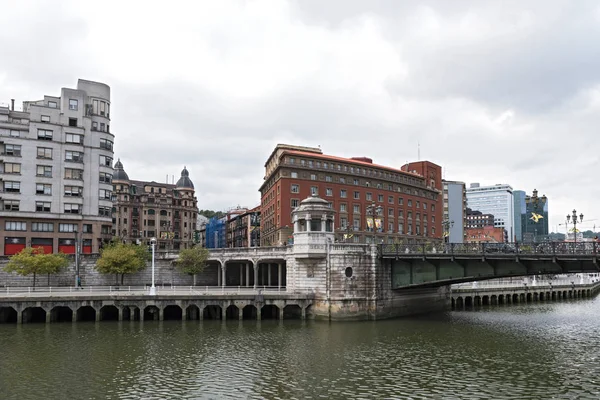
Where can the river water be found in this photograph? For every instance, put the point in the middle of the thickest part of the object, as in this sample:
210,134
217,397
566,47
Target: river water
536,351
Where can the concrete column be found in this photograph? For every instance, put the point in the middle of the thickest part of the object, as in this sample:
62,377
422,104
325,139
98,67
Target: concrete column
120,313
219,275
97,315
269,274
223,312
279,278
48,317
224,271
296,225
247,274
241,276
184,315
255,275
73,316
19,316
241,312
161,314
303,313
201,313
281,313
258,312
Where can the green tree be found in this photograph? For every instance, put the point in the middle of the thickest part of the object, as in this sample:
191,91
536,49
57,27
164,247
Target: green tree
119,258
33,261
192,261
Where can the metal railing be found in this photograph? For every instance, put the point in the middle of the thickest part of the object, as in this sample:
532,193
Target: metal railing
549,248
530,282
137,290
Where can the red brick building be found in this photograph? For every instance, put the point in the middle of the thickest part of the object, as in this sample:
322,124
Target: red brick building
407,201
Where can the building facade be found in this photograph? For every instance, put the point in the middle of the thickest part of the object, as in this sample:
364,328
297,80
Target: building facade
520,212
56,171
373,202
496,200
243,228
145,210
455,211
534,221
486,234
477,219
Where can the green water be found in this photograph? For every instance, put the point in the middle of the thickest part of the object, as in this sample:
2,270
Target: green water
539,351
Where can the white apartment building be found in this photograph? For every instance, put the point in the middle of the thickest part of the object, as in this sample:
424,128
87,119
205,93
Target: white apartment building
497,200
56,158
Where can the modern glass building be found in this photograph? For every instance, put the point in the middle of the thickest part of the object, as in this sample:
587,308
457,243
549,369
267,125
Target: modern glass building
496,200
520,212
534,222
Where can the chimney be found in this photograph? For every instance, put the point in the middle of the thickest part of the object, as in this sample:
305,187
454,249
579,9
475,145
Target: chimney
12,104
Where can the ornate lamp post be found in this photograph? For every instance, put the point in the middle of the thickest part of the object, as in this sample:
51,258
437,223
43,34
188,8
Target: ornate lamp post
534,200
573,219
153,288
374,210
447,225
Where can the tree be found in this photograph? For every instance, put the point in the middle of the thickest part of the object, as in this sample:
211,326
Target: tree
192,261
33,261
119,258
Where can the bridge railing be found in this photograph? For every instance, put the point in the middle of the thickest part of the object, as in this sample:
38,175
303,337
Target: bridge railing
530,282
66,290
548,248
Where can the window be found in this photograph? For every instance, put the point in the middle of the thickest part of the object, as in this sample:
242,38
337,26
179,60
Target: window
73,138
343,207
356,224
343,193
294,174
400,214
105,229
73,156
292,160
73,191
328,178
314,190
11,205
12,168
67,227
432,219
400,201
390,212
104,211
12,187
44,134
15,133
391,199
72,208
43,188
44,170
424,206
295,203
356,209
87,228
43,206
42,227
295,189
369,196
102,108
73,122
15,226
94,125
433,207
106,161
44,152
45,118
102,127
380,198
105,194
356,182
356,195
328,192
313,177
342,179
105,177
410,203
400,227
12,150
52,104
71,173
418,204
409,215
73,104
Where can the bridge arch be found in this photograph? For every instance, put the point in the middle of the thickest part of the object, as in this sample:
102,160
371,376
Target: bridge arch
172,312
109,313
86,313
192,312
8,315
269,311
61,314
249,311
212,311
34,315
292,311
151,313
232,312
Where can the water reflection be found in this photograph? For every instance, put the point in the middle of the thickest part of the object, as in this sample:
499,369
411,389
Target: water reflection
529,351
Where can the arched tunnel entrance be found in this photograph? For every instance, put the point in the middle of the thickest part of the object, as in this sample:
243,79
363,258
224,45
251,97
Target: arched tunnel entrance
269,311
109,313
34,315
151,313
292,311
212,312
172,313
8,315
232,312
86,313
61,314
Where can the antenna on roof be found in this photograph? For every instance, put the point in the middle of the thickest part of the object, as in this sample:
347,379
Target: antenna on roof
418,151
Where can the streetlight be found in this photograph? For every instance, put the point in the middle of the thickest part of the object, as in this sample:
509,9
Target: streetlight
534,200
447,225
153,288
373,210
573,219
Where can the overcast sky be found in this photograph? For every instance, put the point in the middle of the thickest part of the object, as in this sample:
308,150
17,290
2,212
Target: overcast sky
494,92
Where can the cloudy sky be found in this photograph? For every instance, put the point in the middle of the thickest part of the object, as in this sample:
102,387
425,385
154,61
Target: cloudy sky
495,92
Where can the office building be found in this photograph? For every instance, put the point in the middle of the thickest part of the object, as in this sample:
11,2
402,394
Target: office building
496,200
56,171
145,210
534,221
520,212
374,203
477,219
455,211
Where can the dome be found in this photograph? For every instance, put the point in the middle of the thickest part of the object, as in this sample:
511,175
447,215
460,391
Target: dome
185,182
314,203
119,174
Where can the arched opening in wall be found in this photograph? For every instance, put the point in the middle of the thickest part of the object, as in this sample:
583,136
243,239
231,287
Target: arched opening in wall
565,294
308,312
86,313
494,300
529,297
553,294
460,303
61,314
8,315
269,311
211,312
542,296
249,312
348,272
501,299
34,315
515,298
192,312
126,313
292,311
134,313
232,312
536,296
151,313
485,300
172,313
109,313
477,301
452,303
468,302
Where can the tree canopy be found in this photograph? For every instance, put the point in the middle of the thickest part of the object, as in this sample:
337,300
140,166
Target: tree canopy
34,261
192,261
210,213
120,259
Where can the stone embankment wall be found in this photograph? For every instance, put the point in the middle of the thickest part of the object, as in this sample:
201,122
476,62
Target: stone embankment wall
165,273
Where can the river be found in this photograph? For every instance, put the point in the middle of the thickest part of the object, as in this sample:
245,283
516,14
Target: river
535,351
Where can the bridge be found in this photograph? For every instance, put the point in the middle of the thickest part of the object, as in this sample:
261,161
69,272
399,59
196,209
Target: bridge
428,265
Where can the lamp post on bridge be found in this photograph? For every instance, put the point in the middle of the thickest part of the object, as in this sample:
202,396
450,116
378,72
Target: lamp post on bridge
535,200
447,224
153,288
573,219
374,210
